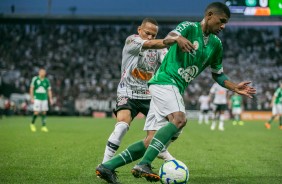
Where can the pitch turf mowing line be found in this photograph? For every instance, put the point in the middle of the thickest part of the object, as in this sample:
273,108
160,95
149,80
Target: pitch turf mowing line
74,146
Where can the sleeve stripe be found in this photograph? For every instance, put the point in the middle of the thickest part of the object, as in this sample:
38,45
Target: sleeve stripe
217,71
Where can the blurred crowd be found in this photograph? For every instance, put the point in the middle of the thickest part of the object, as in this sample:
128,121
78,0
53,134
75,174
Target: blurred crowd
83,61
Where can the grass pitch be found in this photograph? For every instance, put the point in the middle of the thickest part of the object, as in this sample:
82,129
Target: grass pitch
74,146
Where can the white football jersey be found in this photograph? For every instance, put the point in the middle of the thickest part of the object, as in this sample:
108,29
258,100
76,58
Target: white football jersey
204,102
138,67
220,94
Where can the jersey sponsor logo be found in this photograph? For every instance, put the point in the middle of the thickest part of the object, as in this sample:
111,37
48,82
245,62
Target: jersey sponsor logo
122,101
40,90
141,74
189,73
146,92
196,44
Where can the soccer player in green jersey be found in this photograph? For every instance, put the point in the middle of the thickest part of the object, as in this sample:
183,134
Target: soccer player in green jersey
236,104
276,104
40,91
181,65
167,111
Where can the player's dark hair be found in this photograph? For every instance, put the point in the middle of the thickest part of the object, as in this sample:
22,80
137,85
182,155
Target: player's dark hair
218,6
151,20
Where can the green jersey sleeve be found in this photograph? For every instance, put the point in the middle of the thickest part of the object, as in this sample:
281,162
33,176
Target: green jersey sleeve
184,28
33,81
216,62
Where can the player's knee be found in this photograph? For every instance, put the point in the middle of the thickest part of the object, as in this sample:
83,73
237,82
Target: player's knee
147,141
179,121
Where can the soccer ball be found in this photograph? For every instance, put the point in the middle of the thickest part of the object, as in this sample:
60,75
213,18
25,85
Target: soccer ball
174,172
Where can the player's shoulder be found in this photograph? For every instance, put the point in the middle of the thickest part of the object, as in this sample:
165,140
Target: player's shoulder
186,25
216,39
132,37
34,78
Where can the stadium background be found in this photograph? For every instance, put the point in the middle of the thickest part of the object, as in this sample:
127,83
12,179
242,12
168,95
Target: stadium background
80,44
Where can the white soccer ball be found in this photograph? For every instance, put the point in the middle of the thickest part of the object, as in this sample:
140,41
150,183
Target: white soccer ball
174,172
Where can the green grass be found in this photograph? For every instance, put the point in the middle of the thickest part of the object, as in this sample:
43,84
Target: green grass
74,146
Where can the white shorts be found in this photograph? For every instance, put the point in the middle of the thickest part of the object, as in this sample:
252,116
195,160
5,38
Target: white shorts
166,99
277,109
236,110
40,105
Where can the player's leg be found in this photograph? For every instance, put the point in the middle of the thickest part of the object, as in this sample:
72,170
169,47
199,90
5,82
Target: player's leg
36,109
221,120
175,114
274,114
126,110
235,116
121,128
135,151
44,109
144,106
215,116
279,108
165,154
206,116
239,117
201,117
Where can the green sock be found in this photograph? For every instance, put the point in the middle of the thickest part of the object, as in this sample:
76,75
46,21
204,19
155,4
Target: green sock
280,120
271,119
161,138
43,119
33,118
132,153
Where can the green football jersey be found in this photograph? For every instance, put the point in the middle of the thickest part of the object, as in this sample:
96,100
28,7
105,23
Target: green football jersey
41,87
236,101
180,68
278,96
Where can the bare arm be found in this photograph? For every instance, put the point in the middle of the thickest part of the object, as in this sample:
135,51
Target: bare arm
154,44
50,96
272,100
31,94
242,88
183,43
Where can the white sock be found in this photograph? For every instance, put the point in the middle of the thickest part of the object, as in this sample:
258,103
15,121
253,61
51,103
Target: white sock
165,155
221,121
206,118
200,118
114,140
213,125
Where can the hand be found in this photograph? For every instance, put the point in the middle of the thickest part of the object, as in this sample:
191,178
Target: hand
184,44
243,88
32,100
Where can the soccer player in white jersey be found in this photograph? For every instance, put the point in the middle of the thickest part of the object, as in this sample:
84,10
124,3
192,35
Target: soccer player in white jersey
204,100
141,56
40,92
220,100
